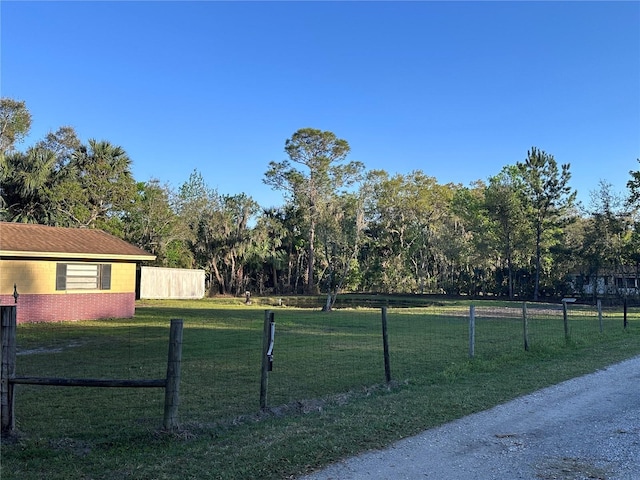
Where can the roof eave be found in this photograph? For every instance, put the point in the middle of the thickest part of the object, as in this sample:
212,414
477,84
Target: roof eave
75,255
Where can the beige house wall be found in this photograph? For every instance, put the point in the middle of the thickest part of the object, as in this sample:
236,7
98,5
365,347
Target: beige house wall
39,277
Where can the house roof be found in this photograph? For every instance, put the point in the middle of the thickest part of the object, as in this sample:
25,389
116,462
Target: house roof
40,241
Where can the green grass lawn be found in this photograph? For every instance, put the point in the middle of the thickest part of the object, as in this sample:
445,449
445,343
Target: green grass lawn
327,396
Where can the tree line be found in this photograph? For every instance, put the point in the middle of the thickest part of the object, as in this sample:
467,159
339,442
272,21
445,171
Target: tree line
341,228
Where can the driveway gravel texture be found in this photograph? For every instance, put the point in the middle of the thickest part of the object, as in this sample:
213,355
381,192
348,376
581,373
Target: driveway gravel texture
584,428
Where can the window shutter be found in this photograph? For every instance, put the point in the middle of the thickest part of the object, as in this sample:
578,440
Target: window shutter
61,276
105,276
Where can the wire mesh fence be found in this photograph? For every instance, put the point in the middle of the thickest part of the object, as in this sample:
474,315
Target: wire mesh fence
98,350
316,355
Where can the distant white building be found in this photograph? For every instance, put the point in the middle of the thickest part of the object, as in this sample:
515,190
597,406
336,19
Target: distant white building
171,283
625,283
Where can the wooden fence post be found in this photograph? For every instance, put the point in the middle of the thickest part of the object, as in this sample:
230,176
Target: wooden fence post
172,388
7,403
266,361
385,346
472,331
525,326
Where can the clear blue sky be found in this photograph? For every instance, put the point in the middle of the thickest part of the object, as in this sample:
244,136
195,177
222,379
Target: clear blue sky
455,89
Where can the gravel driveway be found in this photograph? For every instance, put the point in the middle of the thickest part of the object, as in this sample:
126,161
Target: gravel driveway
584,428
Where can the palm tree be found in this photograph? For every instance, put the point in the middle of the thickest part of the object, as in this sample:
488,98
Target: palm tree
96,186
27,182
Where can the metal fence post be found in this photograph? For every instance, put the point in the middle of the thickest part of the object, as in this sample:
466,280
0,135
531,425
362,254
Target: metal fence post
565,318
385,346
599,305
525,326
472,331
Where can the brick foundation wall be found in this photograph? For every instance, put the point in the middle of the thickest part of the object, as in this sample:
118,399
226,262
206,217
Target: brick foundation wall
72,306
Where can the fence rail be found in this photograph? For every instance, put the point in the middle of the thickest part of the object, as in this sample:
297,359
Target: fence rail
89,382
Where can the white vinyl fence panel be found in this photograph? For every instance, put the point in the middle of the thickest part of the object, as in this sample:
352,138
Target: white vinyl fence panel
158,282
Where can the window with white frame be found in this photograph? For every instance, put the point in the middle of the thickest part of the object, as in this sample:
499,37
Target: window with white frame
83,276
